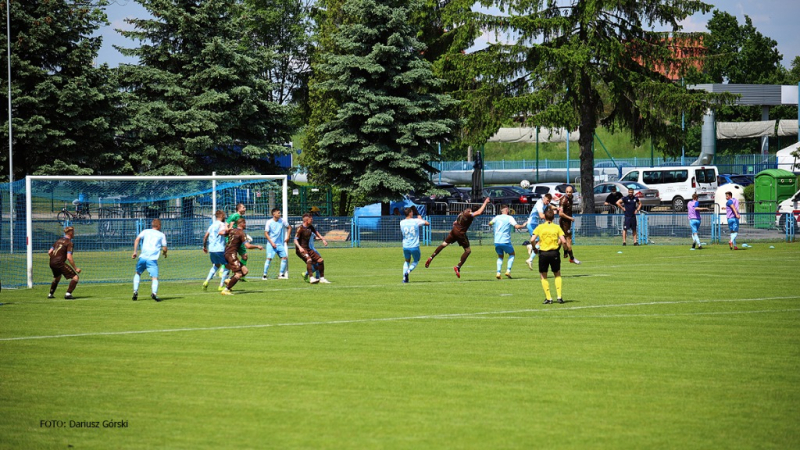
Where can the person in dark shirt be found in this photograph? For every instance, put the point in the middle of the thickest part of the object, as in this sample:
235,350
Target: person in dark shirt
611,205
61,253
459,234
236,239
303,250
565,221
631,206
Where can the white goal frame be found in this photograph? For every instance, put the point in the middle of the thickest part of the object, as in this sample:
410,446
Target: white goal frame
213,178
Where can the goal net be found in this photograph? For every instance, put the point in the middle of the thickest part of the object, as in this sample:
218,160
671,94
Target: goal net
108,213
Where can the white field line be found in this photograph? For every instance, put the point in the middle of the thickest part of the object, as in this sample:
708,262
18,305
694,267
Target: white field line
549,310
593,316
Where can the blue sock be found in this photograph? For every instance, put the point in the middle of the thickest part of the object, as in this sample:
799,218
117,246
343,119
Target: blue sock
154,287
412,266
136,279
696,238
405,267
510,262
733,238
211,273
266,265
499,264
284,265
225,273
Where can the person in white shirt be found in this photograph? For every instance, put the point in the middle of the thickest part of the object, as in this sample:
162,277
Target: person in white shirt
214,245
277,232
534,219
410,229
154,243
503,224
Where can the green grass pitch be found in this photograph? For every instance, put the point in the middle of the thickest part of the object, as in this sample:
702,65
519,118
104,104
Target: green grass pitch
656,347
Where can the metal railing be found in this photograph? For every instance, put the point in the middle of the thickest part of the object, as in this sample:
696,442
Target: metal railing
736,164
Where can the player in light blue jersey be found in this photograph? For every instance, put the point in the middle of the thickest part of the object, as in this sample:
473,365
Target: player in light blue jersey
277,232
410,229
503,224
154,243
534,219
214,245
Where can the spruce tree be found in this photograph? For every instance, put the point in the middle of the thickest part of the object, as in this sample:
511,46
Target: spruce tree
199,97
388,118
579,64
63,106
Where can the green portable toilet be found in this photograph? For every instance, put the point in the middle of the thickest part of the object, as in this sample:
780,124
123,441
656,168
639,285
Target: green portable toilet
772,186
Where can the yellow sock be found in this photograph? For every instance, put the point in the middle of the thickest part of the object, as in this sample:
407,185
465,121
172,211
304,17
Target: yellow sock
546,287
558,286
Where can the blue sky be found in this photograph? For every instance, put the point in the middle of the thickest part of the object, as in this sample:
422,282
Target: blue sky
776,19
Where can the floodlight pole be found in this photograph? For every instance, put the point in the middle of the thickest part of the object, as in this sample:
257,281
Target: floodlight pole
10,138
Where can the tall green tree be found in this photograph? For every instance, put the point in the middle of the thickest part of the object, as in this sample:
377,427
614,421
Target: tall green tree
579,64
389,117
284,27
200,96
63,107
739,54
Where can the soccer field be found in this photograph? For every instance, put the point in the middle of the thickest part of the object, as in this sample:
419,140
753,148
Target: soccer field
655,347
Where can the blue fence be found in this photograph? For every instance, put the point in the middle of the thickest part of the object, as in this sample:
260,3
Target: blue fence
103,246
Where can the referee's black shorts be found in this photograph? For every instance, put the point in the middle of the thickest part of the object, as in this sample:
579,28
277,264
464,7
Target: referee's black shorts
551,259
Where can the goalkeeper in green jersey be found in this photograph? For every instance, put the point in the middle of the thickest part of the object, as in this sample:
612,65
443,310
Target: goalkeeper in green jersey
231,223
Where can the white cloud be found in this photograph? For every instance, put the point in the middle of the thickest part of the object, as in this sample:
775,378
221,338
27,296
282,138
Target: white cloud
121,24
694,24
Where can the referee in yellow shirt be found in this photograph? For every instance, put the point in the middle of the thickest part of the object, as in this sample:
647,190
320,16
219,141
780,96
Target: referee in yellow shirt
551,238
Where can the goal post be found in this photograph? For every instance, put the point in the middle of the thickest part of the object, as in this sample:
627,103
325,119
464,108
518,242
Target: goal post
108,212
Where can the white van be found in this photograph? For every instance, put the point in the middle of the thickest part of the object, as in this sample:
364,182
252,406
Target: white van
789,206
676,184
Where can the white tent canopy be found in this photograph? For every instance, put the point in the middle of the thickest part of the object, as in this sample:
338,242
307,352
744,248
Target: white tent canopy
786,160
529,135
740,130
787,128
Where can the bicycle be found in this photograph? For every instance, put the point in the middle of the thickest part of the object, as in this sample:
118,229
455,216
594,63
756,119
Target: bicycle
81,214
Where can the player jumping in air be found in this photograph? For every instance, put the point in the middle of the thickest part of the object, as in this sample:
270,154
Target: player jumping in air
60,253
306,253
459,234
410,229
534,219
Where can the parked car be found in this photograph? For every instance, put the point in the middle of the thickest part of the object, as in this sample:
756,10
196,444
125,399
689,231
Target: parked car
558,190
789,206
647,197
509,195
438,203
677,184
451,194
741,180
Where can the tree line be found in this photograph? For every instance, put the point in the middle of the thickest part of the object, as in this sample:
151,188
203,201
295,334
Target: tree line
378,88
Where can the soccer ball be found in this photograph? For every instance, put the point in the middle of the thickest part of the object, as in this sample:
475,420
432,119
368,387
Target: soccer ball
248,238
524,184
